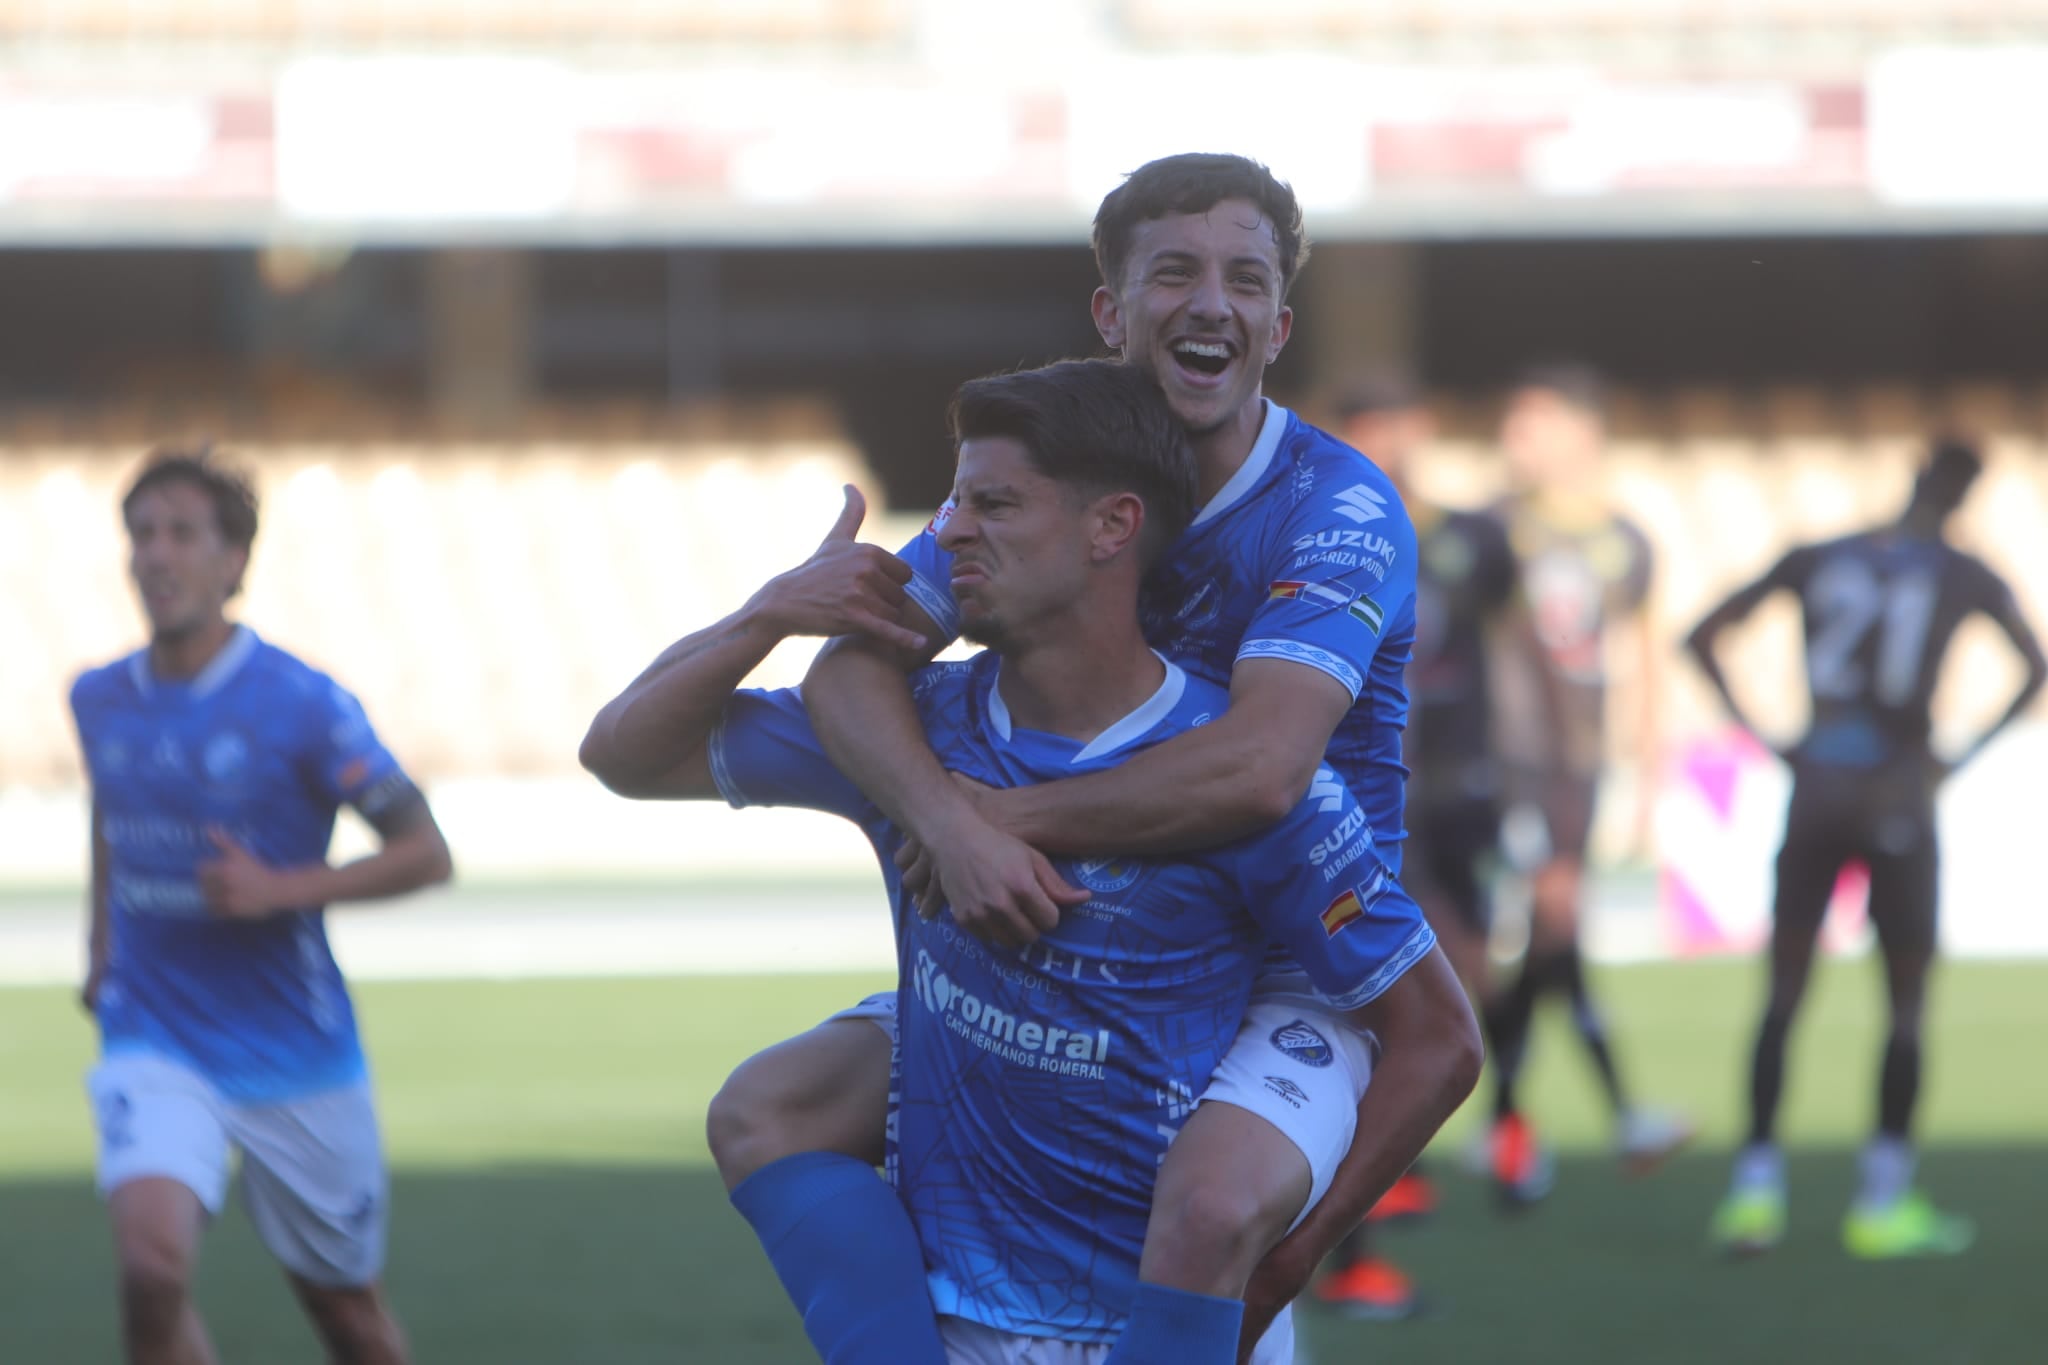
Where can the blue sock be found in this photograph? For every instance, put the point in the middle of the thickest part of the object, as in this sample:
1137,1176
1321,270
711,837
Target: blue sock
1174,1327
848,1256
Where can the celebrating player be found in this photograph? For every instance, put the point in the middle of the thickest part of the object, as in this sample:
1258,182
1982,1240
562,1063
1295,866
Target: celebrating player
217,765
1294,588
1880,609
1585,571
1039,1088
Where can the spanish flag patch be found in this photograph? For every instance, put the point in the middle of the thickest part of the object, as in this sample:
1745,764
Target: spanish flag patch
1342,911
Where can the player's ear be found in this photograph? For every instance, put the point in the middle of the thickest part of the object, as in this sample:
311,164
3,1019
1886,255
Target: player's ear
241,572
1119,520
1283,327
1109,317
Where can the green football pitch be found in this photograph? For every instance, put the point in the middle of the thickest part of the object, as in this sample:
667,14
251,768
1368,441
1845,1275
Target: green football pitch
554,1204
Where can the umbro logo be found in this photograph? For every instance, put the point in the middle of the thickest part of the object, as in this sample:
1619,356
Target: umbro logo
1361,504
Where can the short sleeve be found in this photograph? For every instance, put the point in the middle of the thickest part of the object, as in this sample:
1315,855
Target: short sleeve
765,753
351,764
1343,575
931,576
1315,882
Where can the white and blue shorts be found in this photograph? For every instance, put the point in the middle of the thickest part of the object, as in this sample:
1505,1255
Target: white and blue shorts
312,1169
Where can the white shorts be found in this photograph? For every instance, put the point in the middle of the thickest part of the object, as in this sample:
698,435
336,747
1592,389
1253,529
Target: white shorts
313,1172
971,1343
1300,1067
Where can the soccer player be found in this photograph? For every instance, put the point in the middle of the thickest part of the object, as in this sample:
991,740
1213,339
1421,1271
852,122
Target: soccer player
217,764
1880,609
1039,1088
1294,589
1464,593
1585,571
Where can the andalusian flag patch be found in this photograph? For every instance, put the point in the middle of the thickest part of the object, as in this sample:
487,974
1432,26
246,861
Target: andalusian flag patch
1370,612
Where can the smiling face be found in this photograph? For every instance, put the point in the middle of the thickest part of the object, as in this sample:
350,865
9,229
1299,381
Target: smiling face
183,567
1199,306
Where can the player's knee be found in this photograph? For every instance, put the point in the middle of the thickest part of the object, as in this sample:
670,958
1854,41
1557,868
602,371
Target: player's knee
156,1278
747,1126
1208,1239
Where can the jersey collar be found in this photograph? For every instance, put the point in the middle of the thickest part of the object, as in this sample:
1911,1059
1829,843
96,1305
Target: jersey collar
1254,467
209,679
1128,730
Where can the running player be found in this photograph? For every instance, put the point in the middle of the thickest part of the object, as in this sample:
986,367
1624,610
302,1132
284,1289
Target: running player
1465,587
1293,587
1585,571
217,765
1880,609
1039,1089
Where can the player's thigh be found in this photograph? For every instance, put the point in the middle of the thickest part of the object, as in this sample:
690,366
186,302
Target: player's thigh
318,1191
1288,1090
827,1089
1905,912
163,1157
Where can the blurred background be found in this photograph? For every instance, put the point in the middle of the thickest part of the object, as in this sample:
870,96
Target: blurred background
550,329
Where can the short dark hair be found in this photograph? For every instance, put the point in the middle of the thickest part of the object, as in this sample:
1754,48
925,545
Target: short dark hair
1953,464
1098,425
1195,182
1576,382
227,488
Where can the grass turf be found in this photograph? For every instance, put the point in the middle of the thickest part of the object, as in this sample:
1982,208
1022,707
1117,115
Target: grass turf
554,1204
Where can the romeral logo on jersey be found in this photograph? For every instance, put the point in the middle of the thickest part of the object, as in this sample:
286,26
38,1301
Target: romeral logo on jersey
1018,1040
1300,1041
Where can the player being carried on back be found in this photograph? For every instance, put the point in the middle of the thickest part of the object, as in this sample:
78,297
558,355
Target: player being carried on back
1880,609
1039,1086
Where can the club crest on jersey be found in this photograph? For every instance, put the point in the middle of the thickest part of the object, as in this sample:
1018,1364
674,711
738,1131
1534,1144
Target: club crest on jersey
225,757
1300,1041
1203,607
1104,875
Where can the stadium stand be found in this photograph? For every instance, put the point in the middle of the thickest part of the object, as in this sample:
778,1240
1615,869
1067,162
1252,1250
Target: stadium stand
485,598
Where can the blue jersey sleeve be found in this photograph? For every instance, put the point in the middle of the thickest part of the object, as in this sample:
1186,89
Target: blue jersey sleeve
765,753
1316,884
931,570
1340,579
351,766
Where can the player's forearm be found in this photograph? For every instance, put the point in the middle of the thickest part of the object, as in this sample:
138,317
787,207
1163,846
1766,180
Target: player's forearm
404,864
1210,786
667,713
860,705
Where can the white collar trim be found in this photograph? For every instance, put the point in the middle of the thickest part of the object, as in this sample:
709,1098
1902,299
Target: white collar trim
211,678
1254,466
1129,729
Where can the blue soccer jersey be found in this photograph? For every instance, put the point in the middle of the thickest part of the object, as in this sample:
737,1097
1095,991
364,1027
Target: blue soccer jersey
1039,1089
1306,554
267,749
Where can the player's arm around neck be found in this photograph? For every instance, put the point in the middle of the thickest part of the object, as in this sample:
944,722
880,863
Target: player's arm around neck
1232,777
649,742
1430,1056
